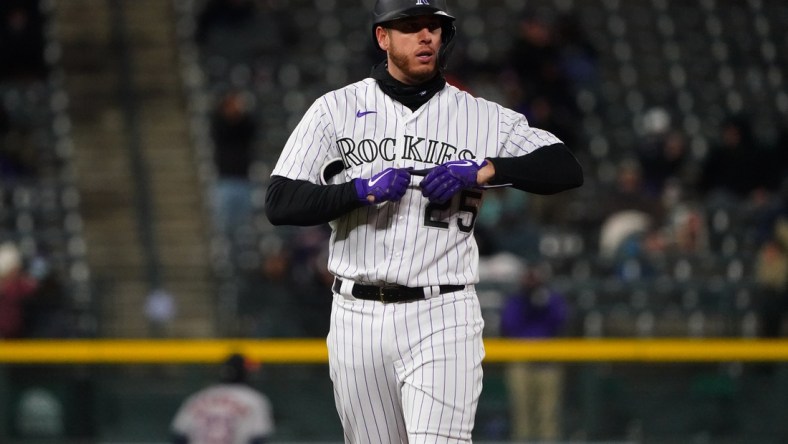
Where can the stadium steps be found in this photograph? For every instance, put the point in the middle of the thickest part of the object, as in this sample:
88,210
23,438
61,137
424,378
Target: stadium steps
115,248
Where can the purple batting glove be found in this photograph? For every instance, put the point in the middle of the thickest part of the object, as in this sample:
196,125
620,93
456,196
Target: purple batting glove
445,180
388,185
440,185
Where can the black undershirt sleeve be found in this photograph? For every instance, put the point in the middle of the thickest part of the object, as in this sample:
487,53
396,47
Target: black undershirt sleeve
303,203
547,170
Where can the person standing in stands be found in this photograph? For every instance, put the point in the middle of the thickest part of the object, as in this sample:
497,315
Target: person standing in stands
17,289
535,311
233,130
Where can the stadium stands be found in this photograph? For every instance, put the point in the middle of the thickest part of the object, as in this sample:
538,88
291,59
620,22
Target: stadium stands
691,64
40,202
695,62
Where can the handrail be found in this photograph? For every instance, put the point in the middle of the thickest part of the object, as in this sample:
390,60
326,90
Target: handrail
141,177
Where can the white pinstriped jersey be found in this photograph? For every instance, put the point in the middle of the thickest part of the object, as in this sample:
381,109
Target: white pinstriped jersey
410,242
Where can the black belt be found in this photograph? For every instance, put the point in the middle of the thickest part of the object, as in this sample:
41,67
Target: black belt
392,293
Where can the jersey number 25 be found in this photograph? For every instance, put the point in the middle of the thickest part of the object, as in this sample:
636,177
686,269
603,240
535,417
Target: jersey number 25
467,209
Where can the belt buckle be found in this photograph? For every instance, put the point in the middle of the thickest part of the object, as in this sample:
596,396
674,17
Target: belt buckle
382,291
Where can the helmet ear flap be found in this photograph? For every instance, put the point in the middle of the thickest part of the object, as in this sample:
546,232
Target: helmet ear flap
447,44
449,31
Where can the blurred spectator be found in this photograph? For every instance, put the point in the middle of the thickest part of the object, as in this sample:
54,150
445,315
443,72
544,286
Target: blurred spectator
535,311
622,232
17,287
160,310
765,218
629,193
771,268
771,276
536,58
17,160
234,131
686,229
781,153
737,165
47,312
577,55
18,157
502,208
230,412
312,293
312,281
501,268
628,211
662,152
32,297
223,14
500,225
241,41
634,243
268,313
542,113
21,41
490,214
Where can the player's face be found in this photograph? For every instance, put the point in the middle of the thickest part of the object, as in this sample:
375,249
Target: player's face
412,45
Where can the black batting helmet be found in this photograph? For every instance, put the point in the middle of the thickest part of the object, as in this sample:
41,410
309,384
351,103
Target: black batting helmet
388,10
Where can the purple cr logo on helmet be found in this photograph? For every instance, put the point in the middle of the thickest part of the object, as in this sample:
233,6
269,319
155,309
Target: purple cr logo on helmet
389,10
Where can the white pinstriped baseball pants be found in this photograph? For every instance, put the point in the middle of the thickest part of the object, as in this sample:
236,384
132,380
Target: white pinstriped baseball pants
407,373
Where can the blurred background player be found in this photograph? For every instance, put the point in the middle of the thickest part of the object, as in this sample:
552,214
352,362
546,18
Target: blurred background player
230,412
535,311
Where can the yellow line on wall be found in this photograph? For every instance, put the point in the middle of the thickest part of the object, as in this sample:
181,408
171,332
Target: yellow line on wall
648,350
313,351
133,351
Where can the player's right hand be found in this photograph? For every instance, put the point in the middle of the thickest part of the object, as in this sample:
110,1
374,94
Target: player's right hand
388,185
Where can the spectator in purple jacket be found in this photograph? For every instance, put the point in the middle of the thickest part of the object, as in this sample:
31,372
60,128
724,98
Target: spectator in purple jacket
535,311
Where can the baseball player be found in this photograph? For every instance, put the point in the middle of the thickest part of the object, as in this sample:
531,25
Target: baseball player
397,164
231,412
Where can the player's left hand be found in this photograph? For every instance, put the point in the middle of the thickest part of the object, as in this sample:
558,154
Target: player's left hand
445,180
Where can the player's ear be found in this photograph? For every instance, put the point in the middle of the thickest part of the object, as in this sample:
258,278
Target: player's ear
382,34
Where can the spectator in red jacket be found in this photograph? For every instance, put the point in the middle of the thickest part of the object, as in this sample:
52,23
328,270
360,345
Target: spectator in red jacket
16,288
